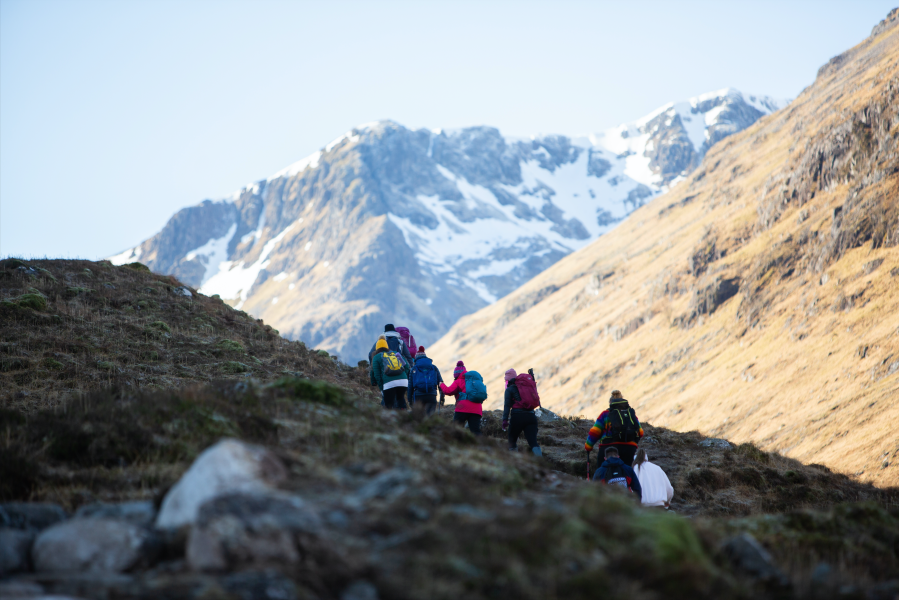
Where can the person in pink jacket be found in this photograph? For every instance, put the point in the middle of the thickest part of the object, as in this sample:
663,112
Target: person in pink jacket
466,410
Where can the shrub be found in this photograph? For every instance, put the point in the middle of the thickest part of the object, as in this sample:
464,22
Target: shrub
160,326
32,301
312,391
230,346
232,366
137,266
53,364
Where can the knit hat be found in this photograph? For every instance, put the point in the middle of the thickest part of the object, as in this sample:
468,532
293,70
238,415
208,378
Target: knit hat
511,374
381,345
616,397
421,348
459,370
389,327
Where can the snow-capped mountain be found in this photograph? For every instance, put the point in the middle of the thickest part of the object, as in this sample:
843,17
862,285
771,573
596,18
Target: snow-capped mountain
387,224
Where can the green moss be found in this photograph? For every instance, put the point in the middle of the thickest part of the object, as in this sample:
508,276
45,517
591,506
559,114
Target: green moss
311,391
32,301
104,365
137,266
232,366
53,364
47,274
230,346
72,292
672,539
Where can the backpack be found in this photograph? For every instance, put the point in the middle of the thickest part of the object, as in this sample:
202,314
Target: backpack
615,475
393,363
475,390
527,389
408,339
424,377
625,427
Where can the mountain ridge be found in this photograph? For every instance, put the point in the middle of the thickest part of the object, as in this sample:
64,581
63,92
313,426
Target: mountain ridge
423,226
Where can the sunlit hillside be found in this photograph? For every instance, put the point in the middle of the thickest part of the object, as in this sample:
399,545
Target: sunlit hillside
757,300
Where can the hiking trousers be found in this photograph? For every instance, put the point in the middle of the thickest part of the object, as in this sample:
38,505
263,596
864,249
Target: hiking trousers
626,453
473,420
426,403
523,421
395,398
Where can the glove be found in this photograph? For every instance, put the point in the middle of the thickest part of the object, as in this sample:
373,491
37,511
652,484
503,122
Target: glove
442,398
505,424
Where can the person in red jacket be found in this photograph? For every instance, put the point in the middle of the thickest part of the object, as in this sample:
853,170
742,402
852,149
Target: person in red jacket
466,410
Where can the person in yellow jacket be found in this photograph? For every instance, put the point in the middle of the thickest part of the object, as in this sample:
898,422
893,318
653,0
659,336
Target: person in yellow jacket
390,372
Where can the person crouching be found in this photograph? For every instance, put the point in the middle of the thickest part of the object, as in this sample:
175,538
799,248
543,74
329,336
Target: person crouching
614,472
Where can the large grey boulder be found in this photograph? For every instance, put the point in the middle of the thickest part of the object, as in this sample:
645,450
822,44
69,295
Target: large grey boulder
228,466
93,545
15,545
30,515
250,530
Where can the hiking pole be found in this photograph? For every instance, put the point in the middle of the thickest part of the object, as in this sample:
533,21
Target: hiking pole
588,466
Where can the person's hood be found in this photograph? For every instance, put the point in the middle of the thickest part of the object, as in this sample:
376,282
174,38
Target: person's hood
422,358
392,334
619,404
613,460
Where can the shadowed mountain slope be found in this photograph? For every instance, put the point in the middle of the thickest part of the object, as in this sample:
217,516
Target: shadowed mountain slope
757,300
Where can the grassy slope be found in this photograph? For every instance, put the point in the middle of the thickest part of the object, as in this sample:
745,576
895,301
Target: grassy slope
805,358
91,325
502,521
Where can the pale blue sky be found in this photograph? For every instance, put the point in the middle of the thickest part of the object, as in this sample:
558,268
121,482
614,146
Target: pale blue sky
115,114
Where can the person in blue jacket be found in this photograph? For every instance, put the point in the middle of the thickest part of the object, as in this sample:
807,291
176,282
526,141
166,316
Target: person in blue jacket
614,472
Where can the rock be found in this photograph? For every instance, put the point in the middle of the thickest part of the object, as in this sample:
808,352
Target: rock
360,590
228,466
260,586
140,512
545,414
30,515
241,530
15,546
389,485
749,556
13,590
94,544
716,443
182,291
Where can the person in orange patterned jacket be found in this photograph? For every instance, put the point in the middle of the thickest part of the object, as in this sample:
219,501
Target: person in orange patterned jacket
618,427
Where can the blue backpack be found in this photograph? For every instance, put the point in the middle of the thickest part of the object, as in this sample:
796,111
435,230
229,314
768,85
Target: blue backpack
424,377
475,390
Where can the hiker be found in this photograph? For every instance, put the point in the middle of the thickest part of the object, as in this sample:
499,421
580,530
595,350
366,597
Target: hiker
371,364
614,472
619,427
657,490
390,372
409,341
394,343
521,400
470,392
425,378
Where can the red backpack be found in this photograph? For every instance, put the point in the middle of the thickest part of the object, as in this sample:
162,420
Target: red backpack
408,339
527,389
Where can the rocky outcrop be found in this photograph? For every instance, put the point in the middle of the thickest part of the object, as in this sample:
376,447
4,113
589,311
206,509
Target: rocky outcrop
228,466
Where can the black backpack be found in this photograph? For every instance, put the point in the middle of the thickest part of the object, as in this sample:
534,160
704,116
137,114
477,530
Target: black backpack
615,475
625,427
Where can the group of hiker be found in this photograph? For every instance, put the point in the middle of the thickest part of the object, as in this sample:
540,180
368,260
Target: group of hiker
408,378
